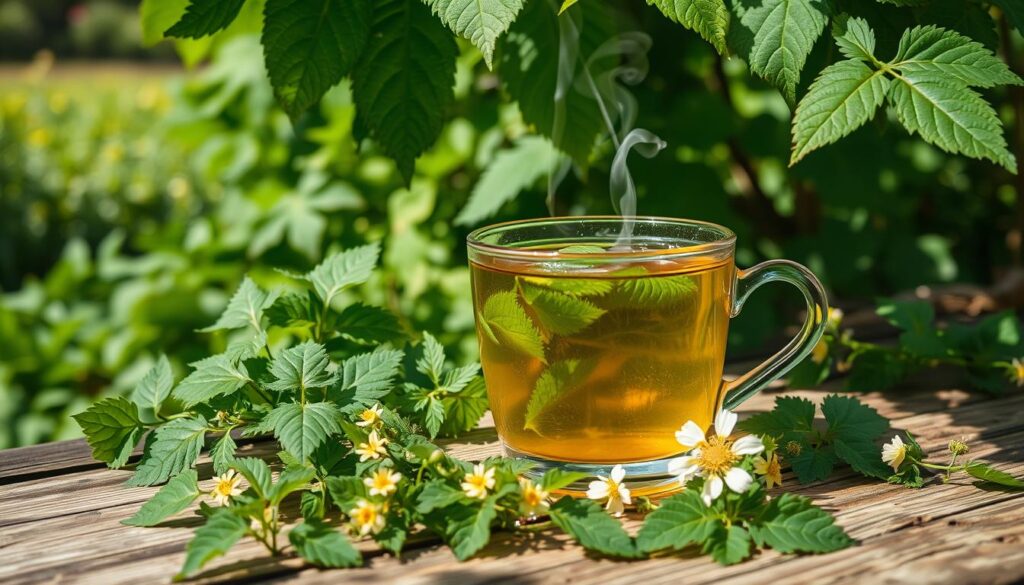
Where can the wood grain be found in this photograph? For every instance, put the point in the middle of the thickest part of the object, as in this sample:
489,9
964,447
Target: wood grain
60,516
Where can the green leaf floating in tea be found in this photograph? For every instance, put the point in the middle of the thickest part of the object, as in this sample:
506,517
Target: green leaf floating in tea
560,313
554,383
506,323
577,287
652,291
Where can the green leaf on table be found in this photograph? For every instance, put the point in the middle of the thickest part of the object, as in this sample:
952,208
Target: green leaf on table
155,387
177,495
301,428
396,529
791,524
556,479
985,472
560,313
301,367
245,309
907,315
310,45
343,270
948,114
813,463
791,419
782,34
205,17
175,448
930,48
480,21
368,325
709,18
528,68
680,520
323,545
464,408
345,491
854,428
592,527
637,290
437,494
468,527
512,171
368,377
403,82
874,369
213,539
112,428
256,472
556,381
728,544
842,98
214,376
223,453
855,38
506,323
291,480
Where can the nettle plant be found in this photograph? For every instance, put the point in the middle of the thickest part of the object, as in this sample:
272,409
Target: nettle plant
401,57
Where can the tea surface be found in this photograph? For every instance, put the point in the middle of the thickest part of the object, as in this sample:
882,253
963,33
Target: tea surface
602,368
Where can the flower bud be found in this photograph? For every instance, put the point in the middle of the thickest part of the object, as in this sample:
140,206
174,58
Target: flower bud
793,448
958,447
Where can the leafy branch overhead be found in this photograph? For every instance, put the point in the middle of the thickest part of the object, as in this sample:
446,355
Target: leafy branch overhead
401,57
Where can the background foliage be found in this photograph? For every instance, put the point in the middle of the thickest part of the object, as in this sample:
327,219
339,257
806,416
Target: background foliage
131,207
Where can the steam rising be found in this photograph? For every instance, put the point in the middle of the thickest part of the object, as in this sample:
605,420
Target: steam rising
619,61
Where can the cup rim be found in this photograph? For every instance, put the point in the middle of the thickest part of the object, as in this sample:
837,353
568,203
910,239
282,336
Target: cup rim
725,242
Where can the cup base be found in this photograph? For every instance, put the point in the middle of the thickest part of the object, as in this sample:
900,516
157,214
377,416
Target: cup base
650,479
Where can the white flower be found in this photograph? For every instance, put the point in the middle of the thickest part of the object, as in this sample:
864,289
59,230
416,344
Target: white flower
477,483
894,452
534,499
226,487
373,448
382,482
715,458
613,489
366,517
370,416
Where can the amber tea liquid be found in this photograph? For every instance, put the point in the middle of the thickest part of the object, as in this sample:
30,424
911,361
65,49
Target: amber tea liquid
603,365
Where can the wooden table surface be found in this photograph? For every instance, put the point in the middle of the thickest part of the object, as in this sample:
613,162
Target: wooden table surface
60,516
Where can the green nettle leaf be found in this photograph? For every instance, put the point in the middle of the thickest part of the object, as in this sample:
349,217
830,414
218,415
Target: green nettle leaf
709,18
177,495
256,472
560,313
577,287
112,428
855,38
528,67
511,171
245,309
214,376
949,115
301,428
213,539
403,81
369,376
556,479
301,367
592,527
346,490
323,545
854,427
554,383
789,420
205,17
929,48
469,527
506,323
157,16
464,408
680,520
368,325
784,31
154,388
223,453
175,448
480,21
343,270
431,364
291,480
844,97
791,523
437,494
310,45
295,310
813,463
986,472
644,291
729,545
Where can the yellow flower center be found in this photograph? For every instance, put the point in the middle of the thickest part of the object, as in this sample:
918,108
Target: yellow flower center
224,487
774,469
382,481
716,456
532,497
368,416
1018,371
477,481
365,515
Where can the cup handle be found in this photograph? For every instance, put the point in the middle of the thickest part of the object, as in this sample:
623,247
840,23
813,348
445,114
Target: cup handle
797,349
